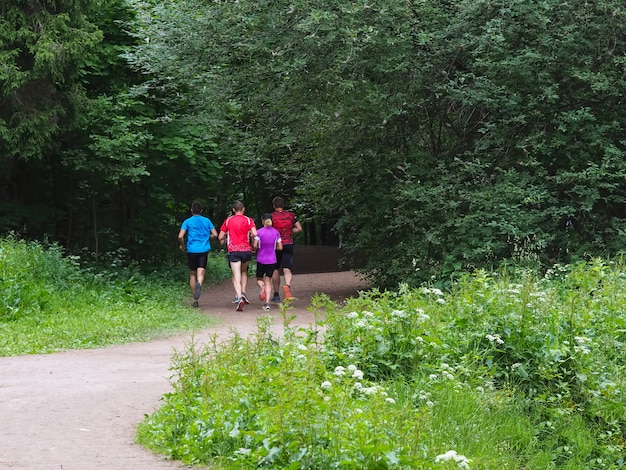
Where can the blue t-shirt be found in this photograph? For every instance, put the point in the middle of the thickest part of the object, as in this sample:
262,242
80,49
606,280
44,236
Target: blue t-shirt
198,230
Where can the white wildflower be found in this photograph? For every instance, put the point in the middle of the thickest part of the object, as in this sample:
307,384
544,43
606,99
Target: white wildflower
390,400
421,315
352,368
326,385
447,375
460,460
495,339
422,395
441,301
358,374
352,315
340,370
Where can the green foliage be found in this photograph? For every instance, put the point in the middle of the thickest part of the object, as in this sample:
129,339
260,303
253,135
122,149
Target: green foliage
437,137
509,369
43,51
49,302
260,403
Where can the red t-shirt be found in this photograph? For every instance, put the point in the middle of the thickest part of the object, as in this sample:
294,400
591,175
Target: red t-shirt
283,221
237,228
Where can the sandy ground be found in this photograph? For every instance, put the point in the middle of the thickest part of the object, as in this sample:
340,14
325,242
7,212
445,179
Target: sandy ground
78,410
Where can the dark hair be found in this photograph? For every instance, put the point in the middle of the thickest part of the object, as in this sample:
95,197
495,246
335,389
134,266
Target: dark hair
278,202
196,208
238,206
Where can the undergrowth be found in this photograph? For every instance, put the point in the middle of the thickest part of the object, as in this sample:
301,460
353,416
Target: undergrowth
50,301
512,369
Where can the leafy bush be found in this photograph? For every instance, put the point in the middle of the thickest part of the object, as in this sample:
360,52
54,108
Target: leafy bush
511,369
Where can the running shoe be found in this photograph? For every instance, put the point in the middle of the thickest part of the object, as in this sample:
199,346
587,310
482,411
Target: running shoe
197,290
235,300
287,292
244,298
195,304
240,305
266,307
276,298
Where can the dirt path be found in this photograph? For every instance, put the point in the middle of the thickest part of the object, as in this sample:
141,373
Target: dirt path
77,410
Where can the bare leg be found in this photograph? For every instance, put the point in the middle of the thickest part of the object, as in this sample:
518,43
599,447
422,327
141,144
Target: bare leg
288,276
268,288
235,267
276,280
200,275
244,276
192,281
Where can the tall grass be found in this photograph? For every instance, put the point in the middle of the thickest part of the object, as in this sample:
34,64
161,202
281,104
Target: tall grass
513,369
50,302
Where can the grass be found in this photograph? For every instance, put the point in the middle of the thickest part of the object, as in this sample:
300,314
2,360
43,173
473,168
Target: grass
515,369
50,302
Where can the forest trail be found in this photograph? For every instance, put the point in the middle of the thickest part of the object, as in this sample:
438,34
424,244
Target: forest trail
78,410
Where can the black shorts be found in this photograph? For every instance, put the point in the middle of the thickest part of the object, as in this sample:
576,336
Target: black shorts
265,270
284,257
236,256
197,260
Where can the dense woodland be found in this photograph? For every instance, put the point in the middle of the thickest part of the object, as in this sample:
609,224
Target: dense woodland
426,137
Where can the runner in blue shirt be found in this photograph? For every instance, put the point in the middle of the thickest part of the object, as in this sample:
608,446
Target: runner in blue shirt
198,230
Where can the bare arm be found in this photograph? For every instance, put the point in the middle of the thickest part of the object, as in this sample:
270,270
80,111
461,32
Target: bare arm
181,239
222,237
297,228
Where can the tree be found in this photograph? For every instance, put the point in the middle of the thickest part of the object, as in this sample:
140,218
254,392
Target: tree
43,50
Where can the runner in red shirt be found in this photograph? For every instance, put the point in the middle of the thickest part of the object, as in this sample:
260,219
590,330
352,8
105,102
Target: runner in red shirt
236,232
285,222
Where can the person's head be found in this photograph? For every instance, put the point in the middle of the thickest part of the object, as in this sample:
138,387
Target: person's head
278,202
267,220
238,207
196,208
